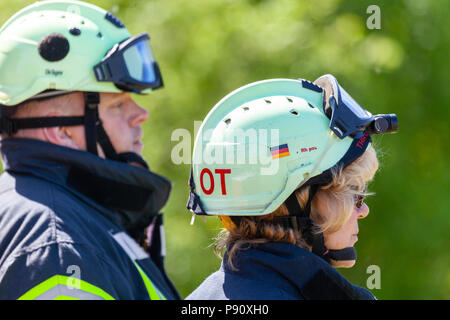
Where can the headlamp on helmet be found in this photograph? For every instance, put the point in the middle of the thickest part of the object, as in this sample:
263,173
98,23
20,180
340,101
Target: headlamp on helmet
347,117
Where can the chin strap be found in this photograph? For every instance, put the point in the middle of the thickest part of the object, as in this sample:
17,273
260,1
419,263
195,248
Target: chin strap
348,253
94,130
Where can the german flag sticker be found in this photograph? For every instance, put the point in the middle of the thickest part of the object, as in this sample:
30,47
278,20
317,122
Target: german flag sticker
279,151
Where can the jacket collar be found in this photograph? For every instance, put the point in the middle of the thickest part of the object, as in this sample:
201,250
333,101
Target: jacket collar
132,195
296,270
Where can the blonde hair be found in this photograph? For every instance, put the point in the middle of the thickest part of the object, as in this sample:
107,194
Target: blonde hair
338,196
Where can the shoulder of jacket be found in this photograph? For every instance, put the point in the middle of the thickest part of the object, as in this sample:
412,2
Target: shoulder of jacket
28,227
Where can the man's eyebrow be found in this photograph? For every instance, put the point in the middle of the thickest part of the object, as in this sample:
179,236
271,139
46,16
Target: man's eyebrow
120,97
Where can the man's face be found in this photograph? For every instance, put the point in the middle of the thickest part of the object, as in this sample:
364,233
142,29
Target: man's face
122,120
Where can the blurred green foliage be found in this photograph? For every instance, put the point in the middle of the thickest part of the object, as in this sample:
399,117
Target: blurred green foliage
207,48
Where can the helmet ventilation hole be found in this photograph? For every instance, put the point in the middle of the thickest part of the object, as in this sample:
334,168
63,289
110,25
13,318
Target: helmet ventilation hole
293,111
53,47
227,121
289,99
310,105
267,101
75,31
245,108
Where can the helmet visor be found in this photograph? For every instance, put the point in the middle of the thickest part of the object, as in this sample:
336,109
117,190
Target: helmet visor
346,116
130,65
139,62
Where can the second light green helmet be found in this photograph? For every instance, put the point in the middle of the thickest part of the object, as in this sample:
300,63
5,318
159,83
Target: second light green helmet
267,139
258,145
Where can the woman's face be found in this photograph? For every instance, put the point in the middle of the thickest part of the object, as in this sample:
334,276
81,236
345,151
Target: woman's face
346,236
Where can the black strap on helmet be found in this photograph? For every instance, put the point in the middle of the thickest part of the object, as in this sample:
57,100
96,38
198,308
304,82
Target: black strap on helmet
91,120
10,126
94,130
348,253
194,203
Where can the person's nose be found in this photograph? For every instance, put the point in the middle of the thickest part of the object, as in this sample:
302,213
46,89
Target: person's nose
363,211
139,115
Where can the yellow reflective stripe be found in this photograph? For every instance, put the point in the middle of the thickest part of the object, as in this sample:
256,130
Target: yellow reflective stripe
153,293
63,280
65,298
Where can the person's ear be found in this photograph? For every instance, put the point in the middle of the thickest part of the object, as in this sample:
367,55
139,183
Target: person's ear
61,136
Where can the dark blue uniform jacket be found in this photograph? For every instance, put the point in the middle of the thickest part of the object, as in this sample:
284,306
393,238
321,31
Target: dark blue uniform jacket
277,271
57,238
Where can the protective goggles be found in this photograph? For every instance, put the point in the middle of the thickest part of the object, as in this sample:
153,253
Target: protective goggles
347,117
130,65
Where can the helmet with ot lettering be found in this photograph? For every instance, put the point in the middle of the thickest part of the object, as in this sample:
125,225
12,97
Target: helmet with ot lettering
267,139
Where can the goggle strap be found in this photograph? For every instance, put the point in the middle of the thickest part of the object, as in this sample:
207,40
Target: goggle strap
356,149
101,71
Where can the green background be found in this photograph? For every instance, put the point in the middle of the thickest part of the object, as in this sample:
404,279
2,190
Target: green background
207,48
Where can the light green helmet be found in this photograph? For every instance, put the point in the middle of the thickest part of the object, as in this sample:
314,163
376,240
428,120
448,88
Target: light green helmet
278,130
56,47
28,67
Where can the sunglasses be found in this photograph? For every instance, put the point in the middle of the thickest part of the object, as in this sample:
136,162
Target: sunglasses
359,199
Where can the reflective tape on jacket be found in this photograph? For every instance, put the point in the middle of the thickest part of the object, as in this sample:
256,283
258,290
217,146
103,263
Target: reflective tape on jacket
135,252
153,293
61,287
